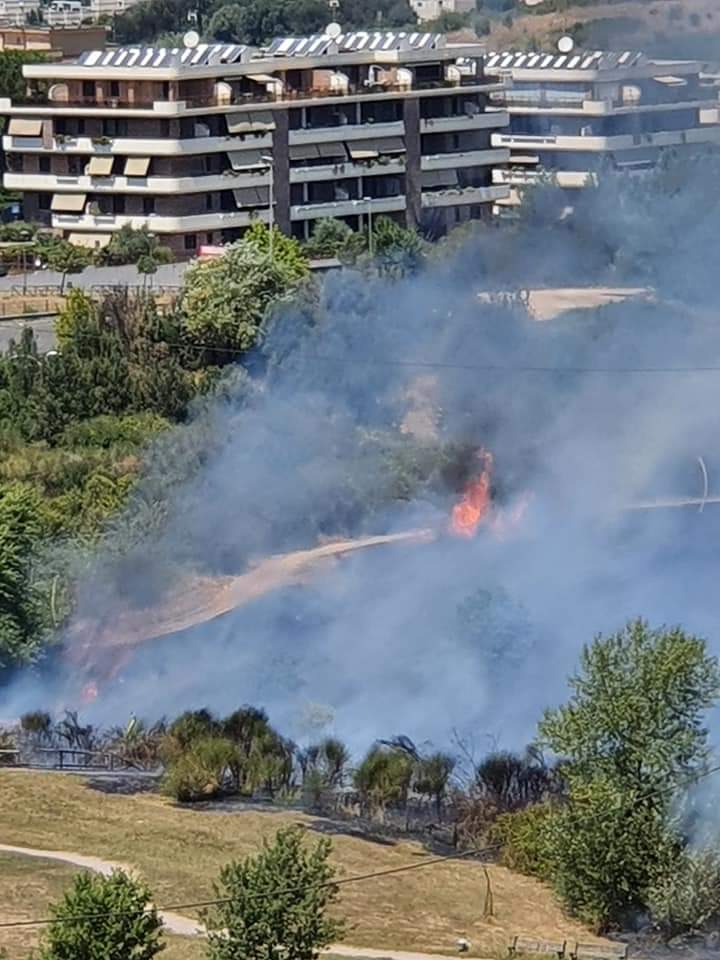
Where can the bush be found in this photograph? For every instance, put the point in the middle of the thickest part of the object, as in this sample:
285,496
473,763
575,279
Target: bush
523,840
106,431
687,898
202,771
110,917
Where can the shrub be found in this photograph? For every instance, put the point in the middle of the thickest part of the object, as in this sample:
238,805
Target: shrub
687,898
109,917
522,837
200,772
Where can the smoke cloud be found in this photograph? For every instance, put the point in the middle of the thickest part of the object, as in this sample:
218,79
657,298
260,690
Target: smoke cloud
586,415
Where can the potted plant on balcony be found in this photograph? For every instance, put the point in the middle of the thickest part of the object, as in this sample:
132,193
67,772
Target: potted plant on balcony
101,141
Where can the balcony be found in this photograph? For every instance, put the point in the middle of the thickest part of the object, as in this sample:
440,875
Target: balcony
92,106
567,179
465,121
594,144
137,146
394,165
346,208
467,158
346,131
110,223
464,196
57,183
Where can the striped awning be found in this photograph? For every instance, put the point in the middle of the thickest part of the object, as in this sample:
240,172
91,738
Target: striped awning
100,166
24,128
68,202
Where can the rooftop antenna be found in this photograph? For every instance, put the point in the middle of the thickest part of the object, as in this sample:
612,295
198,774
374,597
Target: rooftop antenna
191,39
566,44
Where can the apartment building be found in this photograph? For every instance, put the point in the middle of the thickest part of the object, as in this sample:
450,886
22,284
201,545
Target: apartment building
197,144
97,9
15,13
55,43
426,10
581,115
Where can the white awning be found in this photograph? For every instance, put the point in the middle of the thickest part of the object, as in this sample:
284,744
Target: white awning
264,118
263,78
672,81
137,166
100,166
524,158
93,241
68,202
241,159
363,149
25,128
252,196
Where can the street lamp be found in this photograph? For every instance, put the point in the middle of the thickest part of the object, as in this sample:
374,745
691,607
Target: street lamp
271,200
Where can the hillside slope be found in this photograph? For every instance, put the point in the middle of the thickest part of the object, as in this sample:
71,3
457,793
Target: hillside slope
180,850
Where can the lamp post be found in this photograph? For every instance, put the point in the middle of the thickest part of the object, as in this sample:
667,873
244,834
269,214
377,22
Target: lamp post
271,200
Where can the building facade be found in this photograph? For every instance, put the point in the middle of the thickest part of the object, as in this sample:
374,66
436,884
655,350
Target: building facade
426,10
55,43
580,115
197,144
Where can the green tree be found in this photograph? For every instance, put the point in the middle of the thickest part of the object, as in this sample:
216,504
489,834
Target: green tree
109,917
63,256
383,777
275,903
285,250
636,712
631,737
431,777
135,246
334,238
22,618
225,302
397,250
12,82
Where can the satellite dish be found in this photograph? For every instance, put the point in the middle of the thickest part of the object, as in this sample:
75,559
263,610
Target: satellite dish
566,44
333,30
191,39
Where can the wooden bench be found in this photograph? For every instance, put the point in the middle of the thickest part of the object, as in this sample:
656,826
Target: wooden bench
598,951
548,948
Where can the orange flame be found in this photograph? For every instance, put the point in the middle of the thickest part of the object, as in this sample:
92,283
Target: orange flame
473,508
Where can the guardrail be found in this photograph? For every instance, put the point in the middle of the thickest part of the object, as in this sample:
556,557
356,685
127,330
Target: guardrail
65,758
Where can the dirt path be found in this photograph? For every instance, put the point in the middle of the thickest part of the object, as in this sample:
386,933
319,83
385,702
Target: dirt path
187,927
97,646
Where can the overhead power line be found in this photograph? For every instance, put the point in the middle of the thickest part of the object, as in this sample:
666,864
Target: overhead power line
344,881
355,360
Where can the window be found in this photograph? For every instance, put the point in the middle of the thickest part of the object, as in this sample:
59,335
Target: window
209,204
76,165
44,164
148,205
44,200
118,203
88,89
81,125
114,88
60,126
190,241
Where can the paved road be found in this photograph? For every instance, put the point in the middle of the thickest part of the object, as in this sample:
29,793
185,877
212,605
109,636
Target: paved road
43,328
169,274
186,926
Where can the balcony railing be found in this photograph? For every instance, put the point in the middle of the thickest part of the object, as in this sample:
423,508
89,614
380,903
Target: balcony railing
240,98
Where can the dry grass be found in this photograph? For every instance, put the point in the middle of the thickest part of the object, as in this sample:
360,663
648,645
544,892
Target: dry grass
179,851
